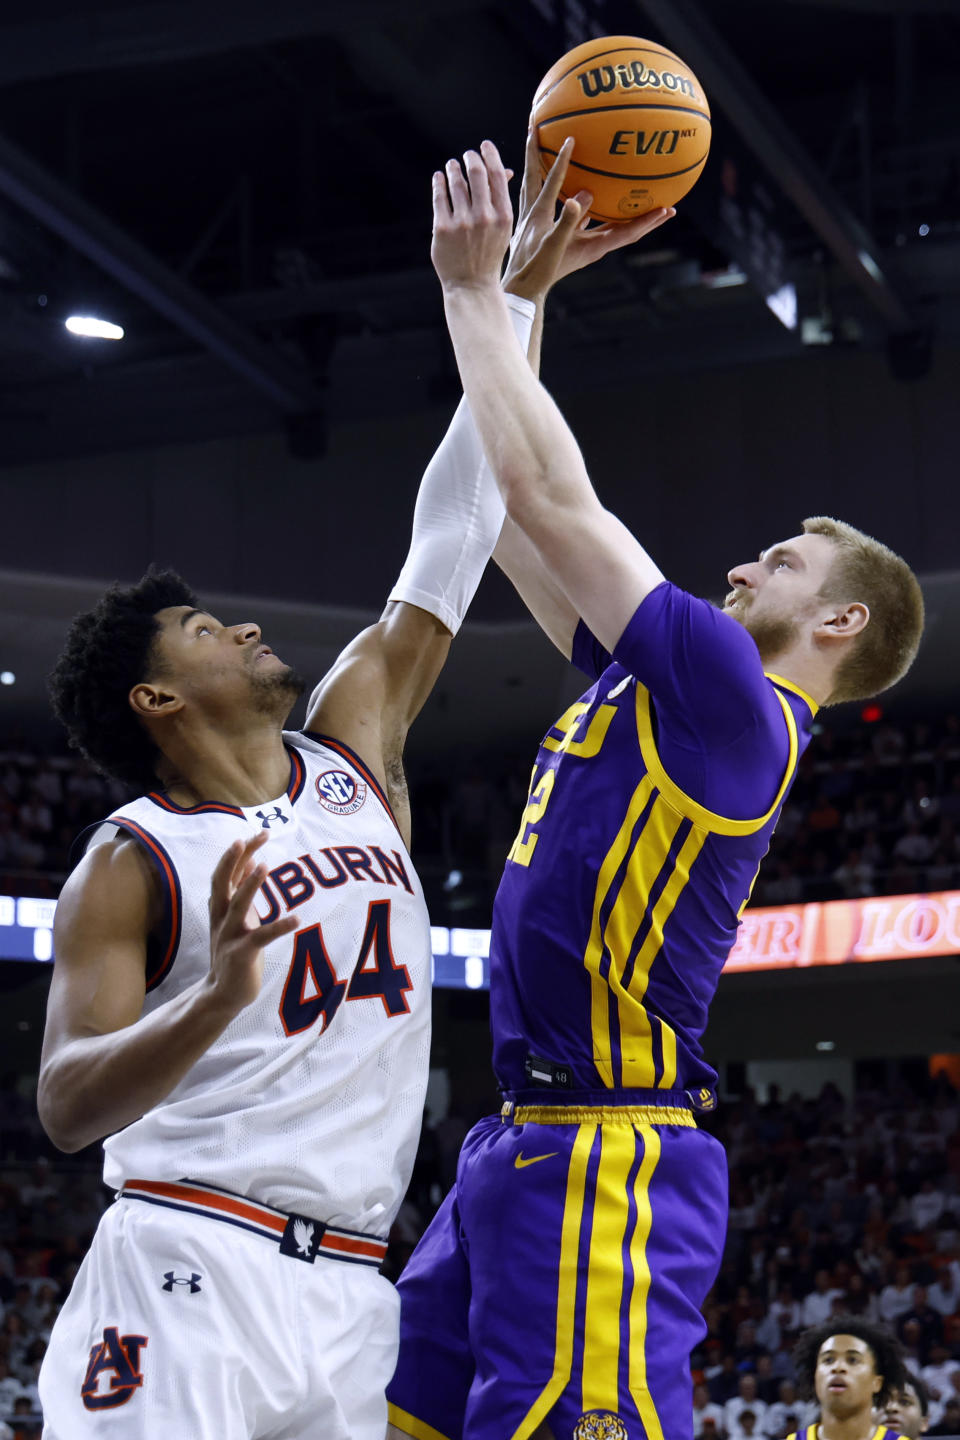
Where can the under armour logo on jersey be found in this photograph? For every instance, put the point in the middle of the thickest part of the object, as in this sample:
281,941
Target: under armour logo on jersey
119,1354
269,819
170,1280
301,1238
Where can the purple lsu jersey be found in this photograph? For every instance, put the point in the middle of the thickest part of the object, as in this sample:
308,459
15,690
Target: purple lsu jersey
812,1432
651,805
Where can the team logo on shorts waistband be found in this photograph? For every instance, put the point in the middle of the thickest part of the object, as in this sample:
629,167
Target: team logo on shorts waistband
340,793
600,1425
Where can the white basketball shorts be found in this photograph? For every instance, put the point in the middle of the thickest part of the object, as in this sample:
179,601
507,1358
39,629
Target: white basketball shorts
181,1324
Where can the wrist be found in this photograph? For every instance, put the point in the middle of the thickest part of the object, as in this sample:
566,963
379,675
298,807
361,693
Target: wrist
520,291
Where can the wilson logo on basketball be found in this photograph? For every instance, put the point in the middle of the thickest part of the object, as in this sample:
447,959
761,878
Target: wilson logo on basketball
340,793
634,76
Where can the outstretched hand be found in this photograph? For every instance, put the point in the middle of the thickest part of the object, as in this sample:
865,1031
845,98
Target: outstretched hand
237,939
547,246
472,219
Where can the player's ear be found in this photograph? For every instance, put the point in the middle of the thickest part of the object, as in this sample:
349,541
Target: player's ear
153,702
845,623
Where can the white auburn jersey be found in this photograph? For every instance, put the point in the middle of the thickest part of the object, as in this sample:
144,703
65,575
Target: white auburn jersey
311,1100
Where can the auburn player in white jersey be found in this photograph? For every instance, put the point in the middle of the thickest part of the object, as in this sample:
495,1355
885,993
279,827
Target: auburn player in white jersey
241,992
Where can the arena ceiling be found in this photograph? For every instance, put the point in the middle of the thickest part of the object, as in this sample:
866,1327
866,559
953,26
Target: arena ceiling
244,187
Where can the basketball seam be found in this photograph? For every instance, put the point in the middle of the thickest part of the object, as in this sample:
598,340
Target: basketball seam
609,109
617,175
617,50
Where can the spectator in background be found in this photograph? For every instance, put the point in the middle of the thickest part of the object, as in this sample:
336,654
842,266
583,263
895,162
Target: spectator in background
897,1298
746,1398
818,1305
745,1427
944,1293
724,1383
10,1388
705,1409
913,847
855,876
928,1322
938,1372
950,1422
926,1207
785,1310
788,1412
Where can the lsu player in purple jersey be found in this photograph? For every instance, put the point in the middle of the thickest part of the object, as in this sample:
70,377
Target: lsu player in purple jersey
558,1290
241,995
855,1369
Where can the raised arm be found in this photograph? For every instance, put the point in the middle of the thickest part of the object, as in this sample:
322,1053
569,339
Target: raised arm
594,560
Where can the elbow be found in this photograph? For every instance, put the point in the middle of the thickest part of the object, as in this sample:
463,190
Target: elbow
525,498
62,1127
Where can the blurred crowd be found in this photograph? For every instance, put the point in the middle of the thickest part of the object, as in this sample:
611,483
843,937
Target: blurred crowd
48,1213
836,1207
875,809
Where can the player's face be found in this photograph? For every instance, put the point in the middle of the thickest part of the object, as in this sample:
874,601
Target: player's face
212,664
846,1380
902,1414
775,594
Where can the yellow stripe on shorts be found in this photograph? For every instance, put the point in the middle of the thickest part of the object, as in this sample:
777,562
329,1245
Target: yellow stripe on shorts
601,1343
567,1286
639,1388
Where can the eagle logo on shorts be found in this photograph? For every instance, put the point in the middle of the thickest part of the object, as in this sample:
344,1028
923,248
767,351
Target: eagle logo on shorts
600,1425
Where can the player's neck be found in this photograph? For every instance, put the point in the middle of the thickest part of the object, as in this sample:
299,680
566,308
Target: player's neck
809,672
204,767
852,1427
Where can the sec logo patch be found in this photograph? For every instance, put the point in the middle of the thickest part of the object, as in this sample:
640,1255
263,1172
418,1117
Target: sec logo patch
340,793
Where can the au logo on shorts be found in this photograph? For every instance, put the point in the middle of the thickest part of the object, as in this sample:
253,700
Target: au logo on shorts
340,793
113,1372
600,1425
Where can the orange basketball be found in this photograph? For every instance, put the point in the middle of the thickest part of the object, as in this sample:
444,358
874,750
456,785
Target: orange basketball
639,118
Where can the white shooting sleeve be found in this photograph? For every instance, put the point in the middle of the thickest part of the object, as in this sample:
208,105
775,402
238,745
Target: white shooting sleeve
458,515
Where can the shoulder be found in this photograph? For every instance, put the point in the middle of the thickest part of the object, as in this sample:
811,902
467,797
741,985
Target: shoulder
114,886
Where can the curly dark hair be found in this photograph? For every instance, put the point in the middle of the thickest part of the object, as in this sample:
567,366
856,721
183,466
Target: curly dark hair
919,1388
887,1354
110,649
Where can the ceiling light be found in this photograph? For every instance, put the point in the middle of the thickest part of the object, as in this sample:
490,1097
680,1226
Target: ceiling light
92,328
7,677
826,1045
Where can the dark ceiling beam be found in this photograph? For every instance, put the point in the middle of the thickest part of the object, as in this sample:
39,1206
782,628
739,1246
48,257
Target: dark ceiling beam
686,29
113,37
64,212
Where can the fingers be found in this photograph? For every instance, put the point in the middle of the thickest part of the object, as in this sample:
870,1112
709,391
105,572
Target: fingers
242,897
532,179
457,187
497,182
266,934
441,197
617,236
226,876
558,173
245,860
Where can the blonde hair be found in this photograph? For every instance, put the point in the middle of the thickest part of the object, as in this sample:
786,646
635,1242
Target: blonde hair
868,572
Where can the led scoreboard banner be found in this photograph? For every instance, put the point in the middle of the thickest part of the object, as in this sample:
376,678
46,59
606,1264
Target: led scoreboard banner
837,932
